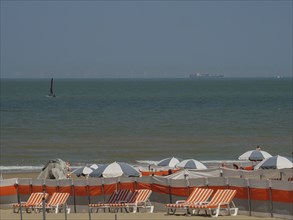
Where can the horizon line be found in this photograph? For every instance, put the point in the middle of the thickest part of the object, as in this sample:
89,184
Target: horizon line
199,78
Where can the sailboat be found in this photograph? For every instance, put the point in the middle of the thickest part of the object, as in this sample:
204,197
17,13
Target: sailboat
51,94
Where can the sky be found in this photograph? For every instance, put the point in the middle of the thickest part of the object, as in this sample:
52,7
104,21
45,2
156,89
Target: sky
135,39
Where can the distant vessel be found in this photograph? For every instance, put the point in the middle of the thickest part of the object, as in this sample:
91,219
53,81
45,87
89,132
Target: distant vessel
205,75
51,94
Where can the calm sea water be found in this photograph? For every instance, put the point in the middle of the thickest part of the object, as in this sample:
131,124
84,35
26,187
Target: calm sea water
106,120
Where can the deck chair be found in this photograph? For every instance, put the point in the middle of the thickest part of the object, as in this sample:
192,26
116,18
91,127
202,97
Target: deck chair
116,197
34,200
138,199
197,195
221,200
56,203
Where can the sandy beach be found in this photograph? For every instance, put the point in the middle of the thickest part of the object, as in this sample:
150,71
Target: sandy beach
7,214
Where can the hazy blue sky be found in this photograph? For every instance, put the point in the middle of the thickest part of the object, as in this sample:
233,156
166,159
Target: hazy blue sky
145,39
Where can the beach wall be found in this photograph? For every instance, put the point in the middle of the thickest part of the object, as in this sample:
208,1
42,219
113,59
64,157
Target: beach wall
255,196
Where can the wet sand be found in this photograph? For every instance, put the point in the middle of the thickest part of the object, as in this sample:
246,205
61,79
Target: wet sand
33,175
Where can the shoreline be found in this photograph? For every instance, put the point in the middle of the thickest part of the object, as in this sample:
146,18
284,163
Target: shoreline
29,174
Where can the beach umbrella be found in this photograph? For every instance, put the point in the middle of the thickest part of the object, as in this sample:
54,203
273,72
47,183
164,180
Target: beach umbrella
115,169
94,166
275,162
191,164
254,155
168,162
83,171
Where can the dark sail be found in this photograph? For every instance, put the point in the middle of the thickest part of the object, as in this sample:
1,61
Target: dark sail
51,94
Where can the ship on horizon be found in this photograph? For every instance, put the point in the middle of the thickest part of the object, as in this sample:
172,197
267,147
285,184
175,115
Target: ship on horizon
205,75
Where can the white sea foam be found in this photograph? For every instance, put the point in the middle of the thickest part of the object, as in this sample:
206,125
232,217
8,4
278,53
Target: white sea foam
209,163
6,169
20,168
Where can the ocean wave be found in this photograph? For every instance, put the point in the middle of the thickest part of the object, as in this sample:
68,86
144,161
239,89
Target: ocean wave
8,169
20,168
209,163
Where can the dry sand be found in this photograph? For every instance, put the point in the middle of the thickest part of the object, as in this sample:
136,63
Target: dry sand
9,215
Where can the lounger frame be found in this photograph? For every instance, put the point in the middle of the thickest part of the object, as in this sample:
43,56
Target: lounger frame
35,199
222,200
56,203
138,199
197,195
116,197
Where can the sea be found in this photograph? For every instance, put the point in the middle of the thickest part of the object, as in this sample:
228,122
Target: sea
125,120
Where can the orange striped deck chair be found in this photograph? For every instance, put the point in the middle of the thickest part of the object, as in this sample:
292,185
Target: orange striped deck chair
116,197
221,200
197,195
56,203
138,199
34,200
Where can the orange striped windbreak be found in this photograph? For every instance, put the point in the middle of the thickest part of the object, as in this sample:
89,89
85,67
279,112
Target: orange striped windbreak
160,188
141,185
8,190
259,194
180,191
36,189
128,185
110,188
95,190
241,192
24,189
282,196
51,189
65,189
81,190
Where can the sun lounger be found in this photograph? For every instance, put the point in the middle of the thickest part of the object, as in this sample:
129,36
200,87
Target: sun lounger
116,197
138,199
221,200
56,203
34,200
197,195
